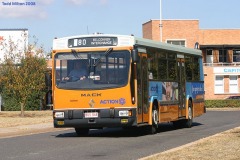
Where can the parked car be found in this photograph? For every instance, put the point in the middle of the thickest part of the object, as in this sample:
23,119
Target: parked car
233,97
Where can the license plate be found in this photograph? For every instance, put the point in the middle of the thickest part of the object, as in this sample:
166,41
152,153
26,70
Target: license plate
91,114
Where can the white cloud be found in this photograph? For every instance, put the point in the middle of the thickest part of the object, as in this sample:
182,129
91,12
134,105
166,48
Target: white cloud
19,9
83,2
45,2
76,2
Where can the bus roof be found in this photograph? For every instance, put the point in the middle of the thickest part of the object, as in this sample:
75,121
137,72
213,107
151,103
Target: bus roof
165,46
122,40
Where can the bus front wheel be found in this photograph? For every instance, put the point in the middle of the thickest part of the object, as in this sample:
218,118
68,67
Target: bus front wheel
153,128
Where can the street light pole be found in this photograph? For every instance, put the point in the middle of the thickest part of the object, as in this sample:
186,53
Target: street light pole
160,25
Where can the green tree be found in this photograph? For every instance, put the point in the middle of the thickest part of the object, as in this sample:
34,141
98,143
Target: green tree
22,74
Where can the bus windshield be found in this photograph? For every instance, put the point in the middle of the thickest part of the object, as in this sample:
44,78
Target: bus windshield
92,70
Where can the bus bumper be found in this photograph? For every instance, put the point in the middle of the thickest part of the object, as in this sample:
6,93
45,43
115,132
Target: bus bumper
105,118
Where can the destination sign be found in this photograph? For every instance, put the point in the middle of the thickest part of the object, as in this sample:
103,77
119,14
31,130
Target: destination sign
92,42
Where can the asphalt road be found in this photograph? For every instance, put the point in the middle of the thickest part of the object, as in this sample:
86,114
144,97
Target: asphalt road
115,143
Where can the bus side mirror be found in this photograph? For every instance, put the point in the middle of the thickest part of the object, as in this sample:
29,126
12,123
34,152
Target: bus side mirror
135,56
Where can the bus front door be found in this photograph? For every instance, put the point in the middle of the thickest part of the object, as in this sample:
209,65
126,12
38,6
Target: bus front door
181,87
142,90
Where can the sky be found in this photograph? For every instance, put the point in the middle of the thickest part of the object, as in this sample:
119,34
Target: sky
47,19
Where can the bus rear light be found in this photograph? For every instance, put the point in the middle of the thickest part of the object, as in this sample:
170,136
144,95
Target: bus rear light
59,115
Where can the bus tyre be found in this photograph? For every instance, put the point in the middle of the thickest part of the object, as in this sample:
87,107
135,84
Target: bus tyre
153,128
82,131
188,122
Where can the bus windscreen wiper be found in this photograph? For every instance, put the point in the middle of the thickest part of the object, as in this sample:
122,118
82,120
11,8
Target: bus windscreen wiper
75,54
105,55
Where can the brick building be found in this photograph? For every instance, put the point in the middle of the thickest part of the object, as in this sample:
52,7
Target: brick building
220,49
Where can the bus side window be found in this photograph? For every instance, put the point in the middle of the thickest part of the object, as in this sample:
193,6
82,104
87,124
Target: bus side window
188,71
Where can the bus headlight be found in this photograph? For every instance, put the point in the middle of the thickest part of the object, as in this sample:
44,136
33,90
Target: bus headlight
59,114
123,113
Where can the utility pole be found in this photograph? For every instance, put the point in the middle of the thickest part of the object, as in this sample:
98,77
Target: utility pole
160,25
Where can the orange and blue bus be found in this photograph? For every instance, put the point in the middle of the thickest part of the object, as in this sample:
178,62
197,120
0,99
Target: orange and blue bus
129,82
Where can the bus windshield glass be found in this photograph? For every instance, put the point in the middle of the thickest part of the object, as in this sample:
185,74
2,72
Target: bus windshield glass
92,70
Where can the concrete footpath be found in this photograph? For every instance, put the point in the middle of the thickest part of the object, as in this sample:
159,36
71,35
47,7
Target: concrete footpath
27,130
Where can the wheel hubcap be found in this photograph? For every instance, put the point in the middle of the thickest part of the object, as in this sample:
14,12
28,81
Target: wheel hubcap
190,113
155,117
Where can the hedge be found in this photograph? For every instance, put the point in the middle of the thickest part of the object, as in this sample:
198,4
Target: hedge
227,103
10,103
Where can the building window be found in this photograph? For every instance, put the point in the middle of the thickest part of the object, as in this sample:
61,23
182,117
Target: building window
209,57
209,52
222,55
177,42
233,84
219,84
236,55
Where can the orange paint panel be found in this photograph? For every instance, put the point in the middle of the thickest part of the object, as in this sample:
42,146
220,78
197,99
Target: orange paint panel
198,109
168,113
184,112
75,99
146,117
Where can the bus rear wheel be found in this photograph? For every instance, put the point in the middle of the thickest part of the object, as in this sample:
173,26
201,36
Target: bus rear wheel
82,131
188,122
